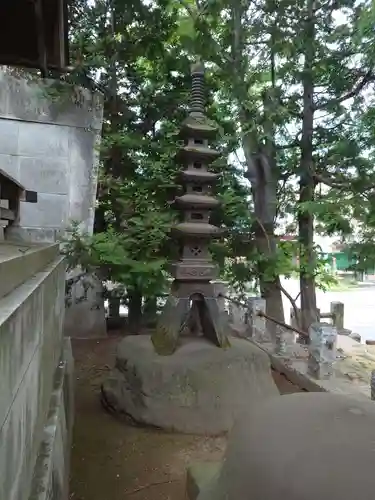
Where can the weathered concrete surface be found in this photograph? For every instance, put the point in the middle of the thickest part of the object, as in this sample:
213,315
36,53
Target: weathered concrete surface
31,363
20,262
49,141
200,389
51,472
299,447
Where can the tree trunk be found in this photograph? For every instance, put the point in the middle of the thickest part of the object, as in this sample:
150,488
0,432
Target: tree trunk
261,164
264,196
307,184
262,173
114,307
270,287
134,310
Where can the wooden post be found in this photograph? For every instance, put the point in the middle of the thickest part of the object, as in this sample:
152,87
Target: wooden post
322,350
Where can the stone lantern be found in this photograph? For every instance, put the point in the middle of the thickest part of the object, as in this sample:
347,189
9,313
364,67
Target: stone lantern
192,299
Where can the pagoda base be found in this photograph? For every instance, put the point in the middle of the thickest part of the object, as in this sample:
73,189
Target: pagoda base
200,389
190,303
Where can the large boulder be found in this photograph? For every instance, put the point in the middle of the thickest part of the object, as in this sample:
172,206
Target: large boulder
300,447
199,389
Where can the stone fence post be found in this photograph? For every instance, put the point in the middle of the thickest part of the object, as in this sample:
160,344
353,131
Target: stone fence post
256,325
322,350
372,385
337,311
284,338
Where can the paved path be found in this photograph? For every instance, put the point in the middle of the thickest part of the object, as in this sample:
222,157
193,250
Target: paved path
359,306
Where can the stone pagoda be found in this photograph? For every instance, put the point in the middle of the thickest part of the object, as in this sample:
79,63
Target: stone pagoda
197,388
192,300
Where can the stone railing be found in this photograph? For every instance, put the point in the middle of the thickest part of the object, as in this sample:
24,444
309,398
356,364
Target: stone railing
335,316
331,361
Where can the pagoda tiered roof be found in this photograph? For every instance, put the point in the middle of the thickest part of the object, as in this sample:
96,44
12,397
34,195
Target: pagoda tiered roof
191,153
201,230
190,200
196,125
198,176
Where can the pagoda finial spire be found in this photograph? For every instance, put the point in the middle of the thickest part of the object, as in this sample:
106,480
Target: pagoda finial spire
197,90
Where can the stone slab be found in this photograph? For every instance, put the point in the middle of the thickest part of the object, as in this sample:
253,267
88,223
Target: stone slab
45,141
50,141
31,344
34,234
44,175
9,132
19,262
198,477
200,389
302,446
50,211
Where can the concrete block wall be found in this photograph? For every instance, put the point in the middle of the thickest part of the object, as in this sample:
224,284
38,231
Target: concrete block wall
49,143
35,388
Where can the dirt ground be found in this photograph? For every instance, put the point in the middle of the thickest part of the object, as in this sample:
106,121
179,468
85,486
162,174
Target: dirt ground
112,460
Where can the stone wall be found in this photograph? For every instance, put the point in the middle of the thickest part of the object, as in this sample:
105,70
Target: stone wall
49,143
35,385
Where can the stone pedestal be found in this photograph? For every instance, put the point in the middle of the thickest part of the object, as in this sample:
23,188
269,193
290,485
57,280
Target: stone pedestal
295,447
200,389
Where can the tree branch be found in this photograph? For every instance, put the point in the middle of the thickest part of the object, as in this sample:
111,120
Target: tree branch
367,78
330,182
197,17
292,302
296,143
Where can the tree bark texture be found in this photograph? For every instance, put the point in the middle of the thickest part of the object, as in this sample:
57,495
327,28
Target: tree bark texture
307,184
